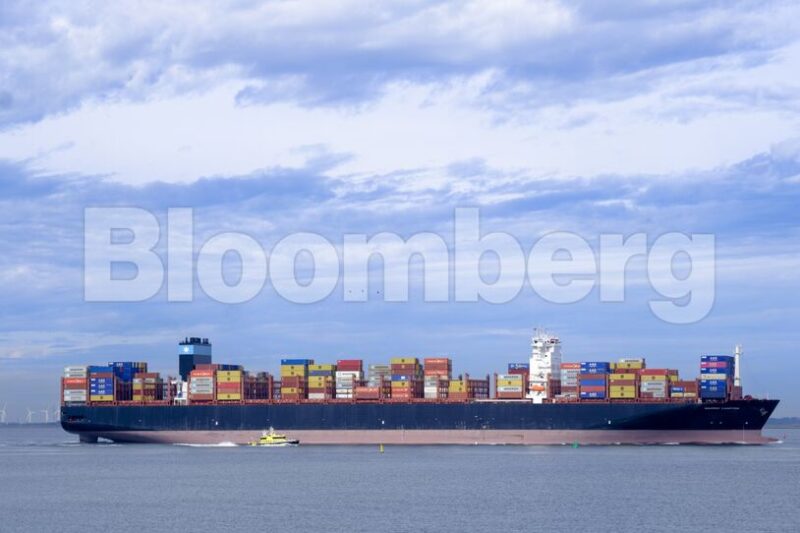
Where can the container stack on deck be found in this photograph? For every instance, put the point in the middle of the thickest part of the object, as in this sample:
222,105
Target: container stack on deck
511,386
101,384
75,384
406,378
380,379
294,378
258,386
683,389
321,381
593,380
230,385
349,373
569,379
148,387
622,386
716,376
201,384
654,383
437,372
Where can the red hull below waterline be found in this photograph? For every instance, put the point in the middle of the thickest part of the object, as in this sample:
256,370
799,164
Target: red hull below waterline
454,437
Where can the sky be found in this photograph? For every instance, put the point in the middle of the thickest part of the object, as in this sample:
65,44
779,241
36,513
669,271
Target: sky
338,117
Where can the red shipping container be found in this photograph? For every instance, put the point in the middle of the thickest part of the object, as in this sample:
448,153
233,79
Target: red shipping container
592,376
593,389
101,375
74,383
571,366
202,373
349,365
655,372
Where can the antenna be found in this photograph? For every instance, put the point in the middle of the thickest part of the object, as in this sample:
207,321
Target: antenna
737,356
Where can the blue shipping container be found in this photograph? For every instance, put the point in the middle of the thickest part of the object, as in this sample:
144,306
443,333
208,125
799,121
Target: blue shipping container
297,362
678,389
715,358
519,366
597,395
595,371
713,383
724,370
400,377
594,364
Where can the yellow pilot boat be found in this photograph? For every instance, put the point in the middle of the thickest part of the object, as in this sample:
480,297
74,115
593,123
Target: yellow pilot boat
275,440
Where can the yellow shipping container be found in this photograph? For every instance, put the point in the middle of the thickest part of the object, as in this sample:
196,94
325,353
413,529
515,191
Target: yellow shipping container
291,390
638,365
101,398
509,382
653,378
404,361
615,377
401,384
229,376
292,373
319,381
622,395
624,388
229,396
295,368
325,368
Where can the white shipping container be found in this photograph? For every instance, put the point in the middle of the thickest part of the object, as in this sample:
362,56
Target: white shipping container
510,376
317,396
714,377
509,389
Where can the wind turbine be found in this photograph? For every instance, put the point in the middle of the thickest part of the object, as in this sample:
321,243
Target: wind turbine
46,415
56,414
3,414
30,415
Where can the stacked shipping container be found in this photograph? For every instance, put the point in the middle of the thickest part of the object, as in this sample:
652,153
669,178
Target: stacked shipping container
716,376
437,372
349,373
321,381
294,378
406,378
593,380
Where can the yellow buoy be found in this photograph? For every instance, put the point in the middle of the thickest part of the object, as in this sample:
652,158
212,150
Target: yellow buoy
380,448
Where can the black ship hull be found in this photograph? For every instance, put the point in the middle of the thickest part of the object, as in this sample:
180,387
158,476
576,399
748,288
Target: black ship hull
479,422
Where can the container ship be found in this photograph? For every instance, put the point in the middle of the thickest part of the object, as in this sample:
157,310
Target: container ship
414,401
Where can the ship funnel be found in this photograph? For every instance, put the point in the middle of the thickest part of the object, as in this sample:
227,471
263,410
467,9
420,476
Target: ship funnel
737,356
